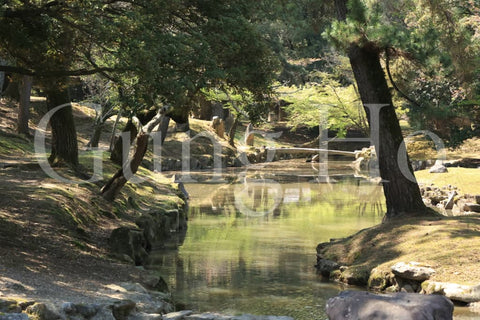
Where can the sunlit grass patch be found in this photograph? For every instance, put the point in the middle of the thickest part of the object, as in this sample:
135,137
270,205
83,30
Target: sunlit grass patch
465,179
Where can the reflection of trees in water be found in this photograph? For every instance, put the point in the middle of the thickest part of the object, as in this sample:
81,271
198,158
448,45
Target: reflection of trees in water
267,197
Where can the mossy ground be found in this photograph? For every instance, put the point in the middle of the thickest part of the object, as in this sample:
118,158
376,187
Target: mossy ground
53,235
448,244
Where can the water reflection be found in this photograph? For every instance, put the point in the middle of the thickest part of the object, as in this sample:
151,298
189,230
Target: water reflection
250,245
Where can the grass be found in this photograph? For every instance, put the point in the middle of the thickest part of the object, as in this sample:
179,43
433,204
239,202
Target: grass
60,208
466,180
449,245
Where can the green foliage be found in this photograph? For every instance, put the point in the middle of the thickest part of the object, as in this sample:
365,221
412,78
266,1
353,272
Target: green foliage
156,51
338,104
434,53
241,104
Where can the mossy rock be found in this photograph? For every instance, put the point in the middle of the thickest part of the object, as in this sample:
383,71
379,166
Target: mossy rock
355,275
378,280
336,275
9,306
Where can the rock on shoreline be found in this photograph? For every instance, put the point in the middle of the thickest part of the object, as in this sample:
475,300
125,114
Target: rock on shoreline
399,306
125,301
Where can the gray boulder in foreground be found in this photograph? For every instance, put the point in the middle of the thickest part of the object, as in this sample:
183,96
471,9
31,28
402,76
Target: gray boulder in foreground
351,305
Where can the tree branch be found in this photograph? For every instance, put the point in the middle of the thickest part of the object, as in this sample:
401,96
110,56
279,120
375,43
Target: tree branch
394,84
57,73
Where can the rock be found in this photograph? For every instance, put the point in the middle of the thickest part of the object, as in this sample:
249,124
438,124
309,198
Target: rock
392,289
131,242
122,309
407,288
133,287
252,317
179,315
145,316
477,199
355,276
471,207
325,266
207,316
13,316
452,291
474,306
25,304
451,200
438,168
103,314
87,310
350,305
9,306
69,308
41,312
412,271
154,282
436,199
378,280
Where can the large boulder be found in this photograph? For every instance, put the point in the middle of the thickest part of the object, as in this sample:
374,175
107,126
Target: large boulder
41,311
352,305
9,306
412,271
325,267
473,207
438,168
130,242
453,291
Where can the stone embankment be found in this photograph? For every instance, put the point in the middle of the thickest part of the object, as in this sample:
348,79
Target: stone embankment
449,201
125,301
408,277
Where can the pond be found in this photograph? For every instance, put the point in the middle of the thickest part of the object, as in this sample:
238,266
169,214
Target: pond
251,239
250,244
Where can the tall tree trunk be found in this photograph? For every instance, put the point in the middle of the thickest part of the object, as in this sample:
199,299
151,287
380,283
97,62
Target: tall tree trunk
64,134
25,89
97,132
402,195
163,128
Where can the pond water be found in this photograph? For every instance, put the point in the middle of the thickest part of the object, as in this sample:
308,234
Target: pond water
250,243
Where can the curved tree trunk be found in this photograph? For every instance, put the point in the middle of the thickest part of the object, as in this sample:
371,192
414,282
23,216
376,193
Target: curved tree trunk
120,178
117,151
402,195
115,184
64,134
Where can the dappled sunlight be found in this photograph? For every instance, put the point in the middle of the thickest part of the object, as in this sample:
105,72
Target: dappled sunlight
435,242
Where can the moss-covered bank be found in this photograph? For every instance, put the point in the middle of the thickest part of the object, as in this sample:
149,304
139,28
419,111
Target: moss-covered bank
449,245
